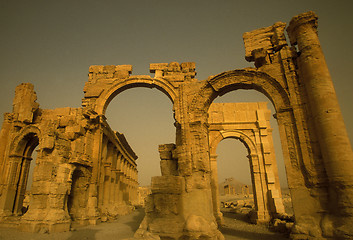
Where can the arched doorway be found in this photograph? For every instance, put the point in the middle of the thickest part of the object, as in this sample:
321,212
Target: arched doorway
145,117
99,93
248,122
290,119
251,96
21,161
78,197
232,162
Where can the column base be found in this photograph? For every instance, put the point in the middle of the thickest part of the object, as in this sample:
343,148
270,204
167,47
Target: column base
42,227
45,221
260,217
174,228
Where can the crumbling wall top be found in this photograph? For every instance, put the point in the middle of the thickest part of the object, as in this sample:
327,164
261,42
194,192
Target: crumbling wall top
24,103
268,39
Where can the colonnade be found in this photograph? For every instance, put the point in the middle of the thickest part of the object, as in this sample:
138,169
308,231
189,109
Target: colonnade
118,178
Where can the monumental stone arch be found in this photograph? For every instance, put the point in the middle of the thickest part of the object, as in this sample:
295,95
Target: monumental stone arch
249,123
105,82
80,155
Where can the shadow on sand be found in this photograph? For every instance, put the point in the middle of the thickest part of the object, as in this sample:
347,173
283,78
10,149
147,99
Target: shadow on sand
238,226
83,234
135,222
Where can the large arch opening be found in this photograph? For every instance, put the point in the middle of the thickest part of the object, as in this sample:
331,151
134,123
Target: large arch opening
251,96
254,80
132,83
145,117
232,163
234,180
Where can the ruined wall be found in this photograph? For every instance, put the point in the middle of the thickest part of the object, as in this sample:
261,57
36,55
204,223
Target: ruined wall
63,189
294,76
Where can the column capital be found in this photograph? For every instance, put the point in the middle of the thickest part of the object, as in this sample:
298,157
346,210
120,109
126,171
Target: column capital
308,19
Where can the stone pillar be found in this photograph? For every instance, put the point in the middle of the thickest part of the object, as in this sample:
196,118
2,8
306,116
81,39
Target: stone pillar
120,177
103,157
9,189
22,184
113,175
4,136
261,213
124,181
328,121
215,190
94,144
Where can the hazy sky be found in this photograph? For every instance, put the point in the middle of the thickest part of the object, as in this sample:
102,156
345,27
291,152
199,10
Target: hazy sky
52,44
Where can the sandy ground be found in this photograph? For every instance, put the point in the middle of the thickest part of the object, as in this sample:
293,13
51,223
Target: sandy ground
236,227
122,228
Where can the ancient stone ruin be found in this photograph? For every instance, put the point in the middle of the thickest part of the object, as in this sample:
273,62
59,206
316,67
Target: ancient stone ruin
250,123
86,172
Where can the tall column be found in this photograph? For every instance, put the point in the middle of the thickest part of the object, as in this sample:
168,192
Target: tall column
215,190
327,118
107,177
120,177
101,177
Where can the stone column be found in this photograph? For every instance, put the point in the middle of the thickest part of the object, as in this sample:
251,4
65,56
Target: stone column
261,214
101,175
124,181
4,136
120,177
215,190
9,190
328,121
107,175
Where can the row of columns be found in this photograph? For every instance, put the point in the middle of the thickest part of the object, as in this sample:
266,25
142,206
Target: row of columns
118,178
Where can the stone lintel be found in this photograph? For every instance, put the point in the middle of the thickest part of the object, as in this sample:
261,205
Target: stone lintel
157,66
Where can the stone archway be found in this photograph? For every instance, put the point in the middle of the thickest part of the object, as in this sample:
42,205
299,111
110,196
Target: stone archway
78,197
164,86
301,172
105,82
249,123
17,170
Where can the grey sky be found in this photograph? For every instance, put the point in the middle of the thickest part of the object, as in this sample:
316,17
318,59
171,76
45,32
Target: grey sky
52,44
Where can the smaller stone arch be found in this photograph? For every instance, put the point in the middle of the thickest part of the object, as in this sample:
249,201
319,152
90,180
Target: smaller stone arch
239,135
77,199
18,163
29,135
249,123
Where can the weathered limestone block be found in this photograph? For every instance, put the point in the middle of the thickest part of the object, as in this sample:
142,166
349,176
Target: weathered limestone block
264,40
174,71
167,184
24,103
169,164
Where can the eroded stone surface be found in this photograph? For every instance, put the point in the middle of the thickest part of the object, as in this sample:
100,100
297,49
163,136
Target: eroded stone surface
79,155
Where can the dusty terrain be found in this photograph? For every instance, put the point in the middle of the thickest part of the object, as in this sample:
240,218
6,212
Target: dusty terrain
236,227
